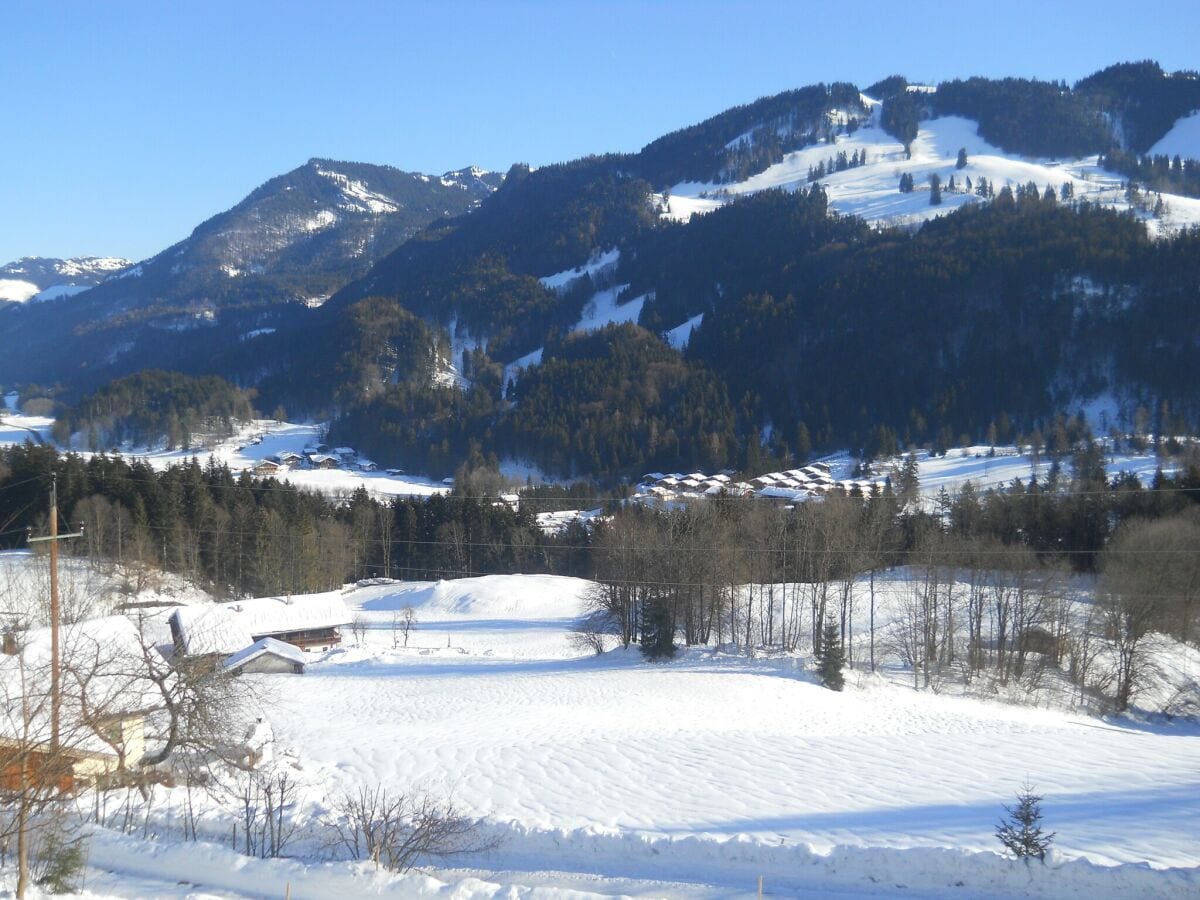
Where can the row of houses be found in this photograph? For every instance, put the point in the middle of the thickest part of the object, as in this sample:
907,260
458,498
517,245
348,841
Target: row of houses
313,458
791,485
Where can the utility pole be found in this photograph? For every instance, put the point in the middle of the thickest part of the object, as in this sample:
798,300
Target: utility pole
55,613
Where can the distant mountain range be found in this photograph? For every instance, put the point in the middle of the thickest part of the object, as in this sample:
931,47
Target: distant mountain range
829,266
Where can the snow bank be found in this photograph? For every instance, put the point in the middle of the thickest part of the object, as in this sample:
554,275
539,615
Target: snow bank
513,597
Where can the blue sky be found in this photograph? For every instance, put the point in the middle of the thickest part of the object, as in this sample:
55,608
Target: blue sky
128,123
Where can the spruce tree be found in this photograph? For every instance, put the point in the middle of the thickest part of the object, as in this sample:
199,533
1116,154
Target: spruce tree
658,629
831,657
1020,832
935,189
961,162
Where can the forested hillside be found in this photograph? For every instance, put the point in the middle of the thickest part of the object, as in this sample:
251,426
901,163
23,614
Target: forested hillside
785,326
156,407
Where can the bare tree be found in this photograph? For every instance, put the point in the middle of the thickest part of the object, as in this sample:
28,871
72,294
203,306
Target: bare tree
397,831
1150,578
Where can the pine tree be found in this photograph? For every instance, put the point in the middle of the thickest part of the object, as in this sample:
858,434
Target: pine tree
1020,832
961,162
658,629
935,190
831,657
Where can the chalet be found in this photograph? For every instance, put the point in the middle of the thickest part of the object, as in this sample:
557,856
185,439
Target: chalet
324,461
222,629
265,467
288,458
367,466
266,656
346,453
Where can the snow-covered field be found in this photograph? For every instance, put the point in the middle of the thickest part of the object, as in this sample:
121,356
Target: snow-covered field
871,191
609,776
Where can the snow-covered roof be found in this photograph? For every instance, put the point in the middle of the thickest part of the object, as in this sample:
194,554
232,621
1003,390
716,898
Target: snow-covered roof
229,627
262,647
211,629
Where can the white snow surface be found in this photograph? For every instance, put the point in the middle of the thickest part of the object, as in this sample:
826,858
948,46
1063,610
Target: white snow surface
679,336
609,776
16,291
500,709
357,197
1183,139
598,262
56,291
872,191
605,309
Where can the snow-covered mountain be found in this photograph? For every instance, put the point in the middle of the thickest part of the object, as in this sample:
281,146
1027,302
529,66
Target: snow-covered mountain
288,245
45,278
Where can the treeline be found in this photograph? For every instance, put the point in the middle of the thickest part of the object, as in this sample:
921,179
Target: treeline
1146,100
241,536
1026,116
986,595
997,312
1157,173
156,407
744,140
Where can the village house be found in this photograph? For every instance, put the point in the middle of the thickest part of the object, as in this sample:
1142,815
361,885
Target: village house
324,461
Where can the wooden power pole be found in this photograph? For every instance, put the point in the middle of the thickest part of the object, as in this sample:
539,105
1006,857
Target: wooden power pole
55,611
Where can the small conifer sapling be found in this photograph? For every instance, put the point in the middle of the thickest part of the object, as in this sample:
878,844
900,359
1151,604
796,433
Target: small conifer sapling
1020,832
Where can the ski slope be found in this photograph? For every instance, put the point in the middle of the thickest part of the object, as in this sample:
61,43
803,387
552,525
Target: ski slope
1182,140
872,191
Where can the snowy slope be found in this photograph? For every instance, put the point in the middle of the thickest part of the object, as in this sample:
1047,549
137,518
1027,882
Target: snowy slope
872,191
1183,139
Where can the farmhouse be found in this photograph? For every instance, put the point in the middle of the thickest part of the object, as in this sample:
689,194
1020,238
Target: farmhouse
324,461
266,467
219,630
